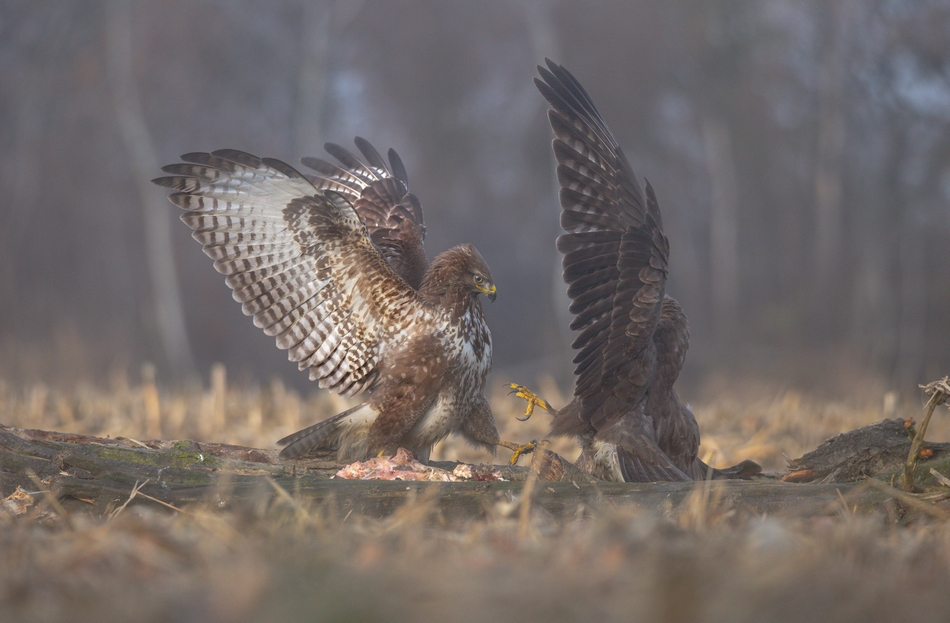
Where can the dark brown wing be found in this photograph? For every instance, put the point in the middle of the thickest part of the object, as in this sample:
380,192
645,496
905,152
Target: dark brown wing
615,254
299,260
380,194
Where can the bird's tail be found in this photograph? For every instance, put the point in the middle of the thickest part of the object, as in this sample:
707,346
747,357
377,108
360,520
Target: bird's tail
740,471
344,432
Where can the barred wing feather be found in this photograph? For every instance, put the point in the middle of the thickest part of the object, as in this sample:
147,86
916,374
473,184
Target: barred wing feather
299,260
380,194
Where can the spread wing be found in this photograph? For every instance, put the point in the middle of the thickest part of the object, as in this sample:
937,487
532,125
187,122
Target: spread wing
299,260
380,194
615,254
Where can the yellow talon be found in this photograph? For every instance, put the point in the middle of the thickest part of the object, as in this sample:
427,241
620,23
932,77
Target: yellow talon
518,449
533,400
526,448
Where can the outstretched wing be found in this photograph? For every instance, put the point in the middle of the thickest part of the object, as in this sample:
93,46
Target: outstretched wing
380,194
615,254
299,260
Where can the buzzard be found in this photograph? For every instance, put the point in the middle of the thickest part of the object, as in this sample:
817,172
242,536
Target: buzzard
333,266
632,337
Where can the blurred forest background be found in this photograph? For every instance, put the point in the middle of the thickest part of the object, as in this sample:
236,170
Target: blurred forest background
800,152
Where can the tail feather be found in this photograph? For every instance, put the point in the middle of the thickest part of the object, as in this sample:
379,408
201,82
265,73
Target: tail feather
330,434
647,464
740,471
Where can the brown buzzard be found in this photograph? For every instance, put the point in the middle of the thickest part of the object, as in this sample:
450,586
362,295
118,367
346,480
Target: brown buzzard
632,337
334,267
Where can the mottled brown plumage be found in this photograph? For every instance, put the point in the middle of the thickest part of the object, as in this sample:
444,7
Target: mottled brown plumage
380,195
632,338
334,268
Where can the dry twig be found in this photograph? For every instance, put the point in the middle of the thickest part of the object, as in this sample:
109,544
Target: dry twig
939,392
48,495
940,477
910,500
527,491
135,491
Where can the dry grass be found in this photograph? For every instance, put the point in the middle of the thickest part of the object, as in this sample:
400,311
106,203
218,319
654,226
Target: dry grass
738,421
311,565
288,560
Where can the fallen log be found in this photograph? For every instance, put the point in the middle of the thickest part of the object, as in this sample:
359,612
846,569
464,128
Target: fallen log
875,451
98,475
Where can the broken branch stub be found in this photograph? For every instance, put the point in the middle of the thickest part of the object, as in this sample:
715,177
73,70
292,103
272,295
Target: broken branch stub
939,392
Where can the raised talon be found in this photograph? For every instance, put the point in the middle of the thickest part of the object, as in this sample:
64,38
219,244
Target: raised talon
533,400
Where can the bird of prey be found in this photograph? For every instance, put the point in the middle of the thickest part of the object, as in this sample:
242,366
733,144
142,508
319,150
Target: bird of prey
334,268
632,337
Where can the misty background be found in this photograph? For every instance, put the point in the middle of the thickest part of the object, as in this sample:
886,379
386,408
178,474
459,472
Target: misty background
800,152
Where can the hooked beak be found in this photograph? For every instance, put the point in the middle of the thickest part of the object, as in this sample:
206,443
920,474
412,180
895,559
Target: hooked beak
490,293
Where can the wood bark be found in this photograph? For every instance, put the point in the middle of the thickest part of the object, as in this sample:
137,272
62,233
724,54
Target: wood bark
879,450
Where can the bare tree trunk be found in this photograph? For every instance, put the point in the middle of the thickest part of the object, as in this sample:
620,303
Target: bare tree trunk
319,21
22,166
912,321
724,226
831,139
158,244
542,35
312,83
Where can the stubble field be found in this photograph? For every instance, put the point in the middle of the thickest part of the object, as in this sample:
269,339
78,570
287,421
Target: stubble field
289,560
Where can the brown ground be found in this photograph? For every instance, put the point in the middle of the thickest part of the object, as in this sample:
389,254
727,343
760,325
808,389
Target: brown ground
703,561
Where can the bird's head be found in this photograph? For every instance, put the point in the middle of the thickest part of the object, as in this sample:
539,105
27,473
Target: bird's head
480,275
465,267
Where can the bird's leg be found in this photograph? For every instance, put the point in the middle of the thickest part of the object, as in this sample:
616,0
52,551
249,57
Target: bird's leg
533,400
518,449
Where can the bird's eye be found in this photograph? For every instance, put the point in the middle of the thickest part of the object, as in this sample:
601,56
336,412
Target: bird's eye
478,279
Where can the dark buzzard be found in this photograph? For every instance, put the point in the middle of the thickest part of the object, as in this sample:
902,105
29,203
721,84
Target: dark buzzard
632,337
334,267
